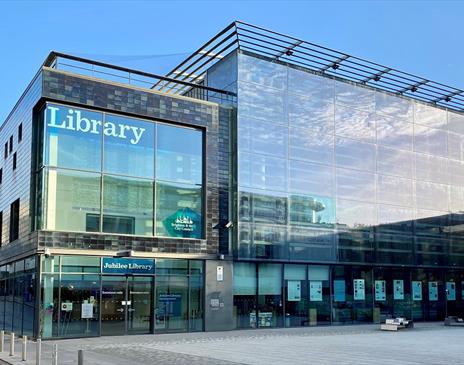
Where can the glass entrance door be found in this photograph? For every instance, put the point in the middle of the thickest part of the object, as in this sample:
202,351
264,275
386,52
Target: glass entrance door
126,305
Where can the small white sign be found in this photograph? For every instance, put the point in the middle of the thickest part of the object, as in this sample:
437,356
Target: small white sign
416,290
359,289
86,310
380,290
67,306
450,290
220,273
433,291
315,291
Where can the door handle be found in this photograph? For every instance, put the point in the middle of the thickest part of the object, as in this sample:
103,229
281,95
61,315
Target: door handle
120,310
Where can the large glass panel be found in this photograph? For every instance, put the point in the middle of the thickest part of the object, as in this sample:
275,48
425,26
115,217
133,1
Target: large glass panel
269,241
263,137
252,69
171,313
139,304
179,211
70,198
179,154
354,96
355,124
313,143
394,106
456,122
127,205
261,102
245,285
129,146
395,162
456,146
311,244
430,116
265,207
296,296
394,190
315,107
270,304
432,168
308,178
432,196
395,133
80,264
319,295
354,154
430,140
113,305
196,295
77,293
352,184
73,137
315,211
49,307
262,172
310,85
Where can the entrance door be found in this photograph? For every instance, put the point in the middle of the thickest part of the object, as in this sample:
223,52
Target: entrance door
126,305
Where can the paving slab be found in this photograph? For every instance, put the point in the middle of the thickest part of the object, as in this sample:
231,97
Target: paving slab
427,343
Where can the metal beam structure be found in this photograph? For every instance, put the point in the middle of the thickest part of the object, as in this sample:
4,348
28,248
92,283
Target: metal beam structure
279,47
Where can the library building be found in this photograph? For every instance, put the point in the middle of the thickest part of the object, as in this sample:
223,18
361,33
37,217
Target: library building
265,181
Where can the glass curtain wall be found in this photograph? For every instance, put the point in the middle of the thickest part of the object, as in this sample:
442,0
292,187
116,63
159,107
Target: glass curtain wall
330,171
117,174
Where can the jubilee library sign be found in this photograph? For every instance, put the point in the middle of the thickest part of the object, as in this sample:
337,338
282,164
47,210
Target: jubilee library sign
111,265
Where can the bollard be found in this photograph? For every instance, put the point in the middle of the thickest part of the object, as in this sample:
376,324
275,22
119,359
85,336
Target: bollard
2,340
55,354
38,351
12,344
24,349
80,357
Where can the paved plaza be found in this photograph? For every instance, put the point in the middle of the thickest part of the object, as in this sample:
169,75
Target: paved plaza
427,343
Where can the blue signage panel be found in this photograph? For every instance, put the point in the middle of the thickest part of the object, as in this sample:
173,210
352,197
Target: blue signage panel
123,265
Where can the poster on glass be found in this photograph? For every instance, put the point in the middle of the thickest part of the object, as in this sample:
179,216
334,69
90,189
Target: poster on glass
450,290
416,290
380,290
398,289
359,289
315,291
294,290
433,291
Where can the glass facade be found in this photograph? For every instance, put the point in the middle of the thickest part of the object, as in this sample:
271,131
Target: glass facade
80,299
329,171
100,172
299,295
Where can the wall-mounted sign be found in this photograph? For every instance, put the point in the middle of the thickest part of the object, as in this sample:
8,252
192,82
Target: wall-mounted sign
380,290
73,119
315,291
184,223
398,289
86,310
450,290
339,291
359,289
123,265
67,306
416,290
433,291
294,290
169,305
220,273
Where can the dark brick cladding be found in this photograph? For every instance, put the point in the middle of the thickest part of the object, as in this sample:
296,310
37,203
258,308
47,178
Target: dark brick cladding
68,88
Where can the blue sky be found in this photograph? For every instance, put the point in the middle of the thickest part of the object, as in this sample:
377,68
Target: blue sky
421,37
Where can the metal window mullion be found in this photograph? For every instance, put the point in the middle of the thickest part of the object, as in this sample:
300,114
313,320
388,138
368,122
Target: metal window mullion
101,172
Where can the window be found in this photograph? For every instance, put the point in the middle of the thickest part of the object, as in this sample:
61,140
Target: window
15,161
11,144
14,221
1,228
20,132
5,155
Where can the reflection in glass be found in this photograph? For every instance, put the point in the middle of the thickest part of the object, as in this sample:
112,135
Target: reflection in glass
263,137
245,286
132,151
430,116
354,96
355,124
394,106
73,137
70,196
394,190
352,184
395,162
309,178
270,303
179,154
431,141
179,210
129,202
394,132
313,143
312,211
354,154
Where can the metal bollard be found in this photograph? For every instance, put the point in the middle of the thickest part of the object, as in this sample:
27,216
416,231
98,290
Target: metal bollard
12,336
55,354
24,349
80,357
2,340
38,351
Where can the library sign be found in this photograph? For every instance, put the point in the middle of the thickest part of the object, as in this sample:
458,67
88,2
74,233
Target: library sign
122,265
